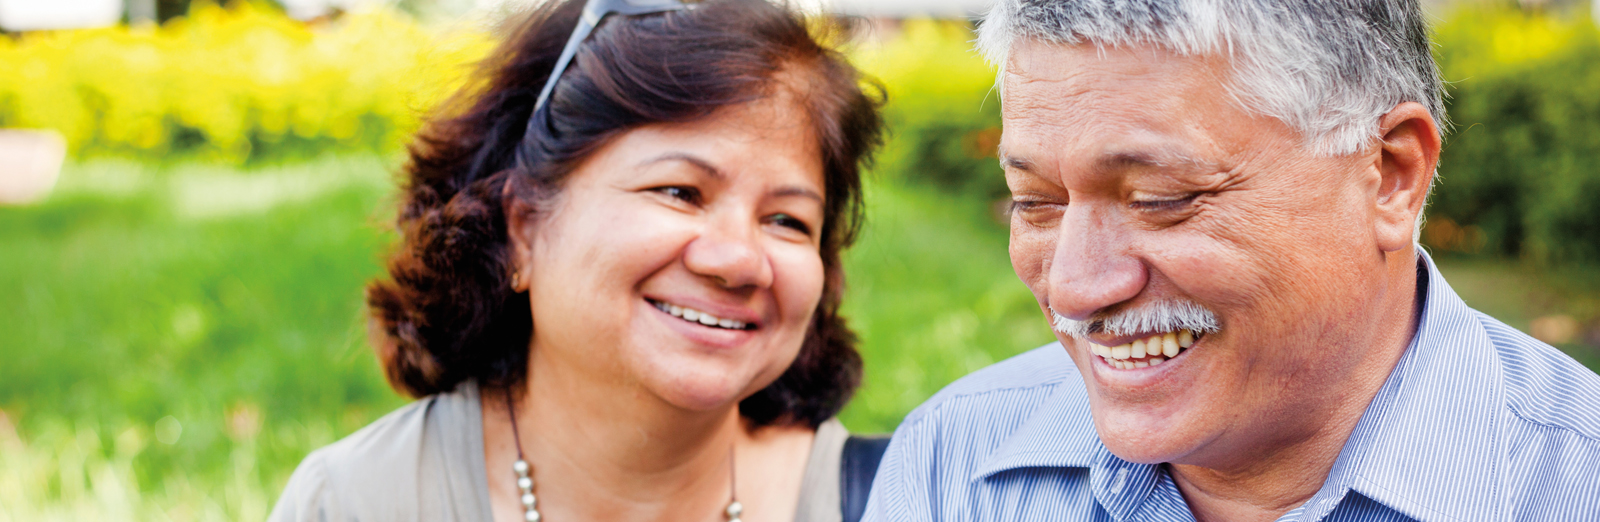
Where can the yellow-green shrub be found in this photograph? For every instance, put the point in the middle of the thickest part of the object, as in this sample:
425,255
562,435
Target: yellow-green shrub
235,82
944,124
1520,174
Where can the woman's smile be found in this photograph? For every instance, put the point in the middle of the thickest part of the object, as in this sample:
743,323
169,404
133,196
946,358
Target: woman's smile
701,336
702,317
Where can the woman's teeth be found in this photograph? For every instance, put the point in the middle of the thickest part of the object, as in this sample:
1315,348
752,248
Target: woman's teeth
1146,352
696,316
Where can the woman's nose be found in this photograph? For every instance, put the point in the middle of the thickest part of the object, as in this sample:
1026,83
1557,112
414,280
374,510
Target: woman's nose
730,253
1092,267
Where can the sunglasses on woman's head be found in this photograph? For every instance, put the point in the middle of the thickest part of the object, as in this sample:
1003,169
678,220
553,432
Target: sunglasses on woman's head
593,12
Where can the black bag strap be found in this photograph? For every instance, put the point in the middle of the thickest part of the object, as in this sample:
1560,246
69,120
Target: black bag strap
857,466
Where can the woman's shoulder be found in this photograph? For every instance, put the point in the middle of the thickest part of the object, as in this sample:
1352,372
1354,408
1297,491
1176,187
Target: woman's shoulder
370,474
839,474
819,490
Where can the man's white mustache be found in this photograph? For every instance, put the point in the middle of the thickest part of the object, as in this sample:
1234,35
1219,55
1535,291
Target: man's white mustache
1156,317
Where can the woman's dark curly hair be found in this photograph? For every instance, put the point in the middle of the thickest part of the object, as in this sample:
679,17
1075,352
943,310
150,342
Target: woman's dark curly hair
449,314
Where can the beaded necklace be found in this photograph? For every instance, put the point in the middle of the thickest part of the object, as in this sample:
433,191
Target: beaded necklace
530,503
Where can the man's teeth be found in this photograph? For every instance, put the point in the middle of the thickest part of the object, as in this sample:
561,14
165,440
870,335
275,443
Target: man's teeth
696,316
1146,352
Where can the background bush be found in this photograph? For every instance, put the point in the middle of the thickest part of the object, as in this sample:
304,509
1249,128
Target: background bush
234,84
943,115
1520,176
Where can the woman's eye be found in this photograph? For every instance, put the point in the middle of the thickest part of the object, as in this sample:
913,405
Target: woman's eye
685,194
788,221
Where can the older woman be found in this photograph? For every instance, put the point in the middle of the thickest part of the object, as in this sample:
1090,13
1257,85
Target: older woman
617,296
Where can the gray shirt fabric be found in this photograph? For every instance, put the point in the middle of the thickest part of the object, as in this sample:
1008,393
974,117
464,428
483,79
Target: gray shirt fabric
425,462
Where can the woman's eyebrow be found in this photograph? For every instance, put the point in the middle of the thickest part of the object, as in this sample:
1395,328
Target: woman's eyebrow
797,191
697,162
711,170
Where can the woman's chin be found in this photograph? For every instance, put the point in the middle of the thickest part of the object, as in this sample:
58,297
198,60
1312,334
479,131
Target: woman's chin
702,392
701,400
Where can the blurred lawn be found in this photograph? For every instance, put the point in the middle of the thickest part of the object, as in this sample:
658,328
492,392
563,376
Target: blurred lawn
175,339
178,337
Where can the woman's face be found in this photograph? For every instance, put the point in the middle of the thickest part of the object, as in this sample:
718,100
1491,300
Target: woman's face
682,259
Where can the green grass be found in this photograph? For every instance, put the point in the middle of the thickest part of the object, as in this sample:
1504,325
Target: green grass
229,302
1517,294
174,339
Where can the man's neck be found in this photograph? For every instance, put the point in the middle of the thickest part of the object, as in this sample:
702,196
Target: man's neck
1266,484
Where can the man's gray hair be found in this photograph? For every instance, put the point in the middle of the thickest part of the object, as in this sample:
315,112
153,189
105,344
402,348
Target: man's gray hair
1327,68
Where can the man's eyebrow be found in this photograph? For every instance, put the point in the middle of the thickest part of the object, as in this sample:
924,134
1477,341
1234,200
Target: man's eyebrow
1013,162
1164,159
696,161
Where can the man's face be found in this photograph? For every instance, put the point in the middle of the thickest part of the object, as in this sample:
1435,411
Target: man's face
1138,180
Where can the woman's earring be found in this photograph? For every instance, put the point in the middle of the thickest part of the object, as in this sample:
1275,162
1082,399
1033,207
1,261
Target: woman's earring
516,280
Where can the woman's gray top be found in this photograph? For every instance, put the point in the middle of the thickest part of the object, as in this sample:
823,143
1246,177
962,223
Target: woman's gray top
424,462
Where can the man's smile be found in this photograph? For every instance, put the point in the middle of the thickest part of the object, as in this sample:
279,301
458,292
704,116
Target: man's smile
1145,352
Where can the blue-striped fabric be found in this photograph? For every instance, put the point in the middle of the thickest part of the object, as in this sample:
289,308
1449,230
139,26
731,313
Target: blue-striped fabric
1478,422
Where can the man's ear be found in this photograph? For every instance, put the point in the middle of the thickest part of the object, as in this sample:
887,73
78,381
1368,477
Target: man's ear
1410,152
519,237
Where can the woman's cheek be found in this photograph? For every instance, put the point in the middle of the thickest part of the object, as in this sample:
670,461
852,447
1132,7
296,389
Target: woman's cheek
798,282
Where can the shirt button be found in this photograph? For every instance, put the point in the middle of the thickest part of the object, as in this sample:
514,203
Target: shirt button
1117,483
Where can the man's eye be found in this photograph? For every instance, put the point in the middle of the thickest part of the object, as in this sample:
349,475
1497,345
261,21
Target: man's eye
1165,204
686,194
1027,206
788,221
1037,213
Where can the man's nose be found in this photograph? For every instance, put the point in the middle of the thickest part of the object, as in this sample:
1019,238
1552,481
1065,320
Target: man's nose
729,252
1093,266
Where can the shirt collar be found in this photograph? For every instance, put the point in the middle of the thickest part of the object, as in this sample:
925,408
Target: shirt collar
1428,445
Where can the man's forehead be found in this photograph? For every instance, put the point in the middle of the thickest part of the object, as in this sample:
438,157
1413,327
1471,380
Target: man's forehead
1111,109
1034,60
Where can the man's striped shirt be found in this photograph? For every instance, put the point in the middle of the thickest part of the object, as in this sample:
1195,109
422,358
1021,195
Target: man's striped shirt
1477,422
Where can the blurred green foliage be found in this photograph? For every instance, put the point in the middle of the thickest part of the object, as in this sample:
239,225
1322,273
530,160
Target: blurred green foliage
234,84
1521,173
943,115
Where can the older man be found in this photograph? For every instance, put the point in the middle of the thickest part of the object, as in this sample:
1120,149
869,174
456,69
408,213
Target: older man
1216,204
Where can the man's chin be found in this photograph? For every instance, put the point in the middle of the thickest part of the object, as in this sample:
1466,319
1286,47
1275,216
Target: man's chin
1148,451
1148,438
